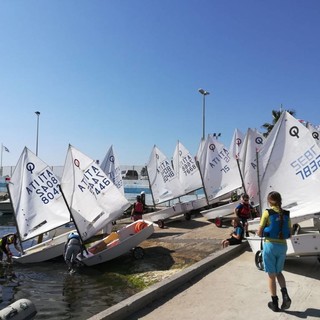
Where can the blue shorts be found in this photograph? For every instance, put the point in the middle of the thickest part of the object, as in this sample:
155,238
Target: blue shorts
274,256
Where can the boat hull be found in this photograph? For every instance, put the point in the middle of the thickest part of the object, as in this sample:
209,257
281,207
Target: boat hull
6,206
220,211
307,244
44,251
175,210
127,239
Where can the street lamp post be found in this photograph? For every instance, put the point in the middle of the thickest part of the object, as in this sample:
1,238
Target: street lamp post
204,93
38,115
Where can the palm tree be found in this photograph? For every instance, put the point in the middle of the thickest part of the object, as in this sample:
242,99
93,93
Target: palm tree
276,114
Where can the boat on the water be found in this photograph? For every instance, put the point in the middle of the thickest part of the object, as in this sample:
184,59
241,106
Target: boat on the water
95,202
38,208
118,243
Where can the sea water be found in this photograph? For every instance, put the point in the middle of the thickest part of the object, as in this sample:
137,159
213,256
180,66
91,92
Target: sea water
58,295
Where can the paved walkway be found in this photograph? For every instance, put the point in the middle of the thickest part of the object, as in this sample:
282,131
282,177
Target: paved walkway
224,290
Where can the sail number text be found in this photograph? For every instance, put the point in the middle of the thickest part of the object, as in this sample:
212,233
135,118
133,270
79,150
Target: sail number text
187,165
45,185
166,171
307,163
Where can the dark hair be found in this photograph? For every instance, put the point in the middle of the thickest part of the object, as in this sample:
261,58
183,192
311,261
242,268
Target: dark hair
245,196
274,198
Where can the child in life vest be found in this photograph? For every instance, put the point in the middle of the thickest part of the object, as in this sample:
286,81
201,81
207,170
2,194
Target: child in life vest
243,211
137,209
5,241
275,227
236,235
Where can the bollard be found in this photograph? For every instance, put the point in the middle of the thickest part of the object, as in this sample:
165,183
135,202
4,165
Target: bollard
22,309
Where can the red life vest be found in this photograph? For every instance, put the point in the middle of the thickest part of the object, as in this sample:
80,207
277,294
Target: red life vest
138,208
244,210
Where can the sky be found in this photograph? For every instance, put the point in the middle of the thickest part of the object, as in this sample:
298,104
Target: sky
126,73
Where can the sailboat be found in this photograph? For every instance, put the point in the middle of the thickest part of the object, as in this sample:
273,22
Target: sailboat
289,162
221,177
38,208
188,173
111,167
314,132
236,143
165,186
248,163
94,201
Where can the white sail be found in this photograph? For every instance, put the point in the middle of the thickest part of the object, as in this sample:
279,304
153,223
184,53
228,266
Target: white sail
37,202
92,197
164,183
111,167
186,169
236,143
253,142
290,164
314,132
219,170
200,149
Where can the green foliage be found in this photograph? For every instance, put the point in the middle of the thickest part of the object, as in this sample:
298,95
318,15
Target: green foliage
276,114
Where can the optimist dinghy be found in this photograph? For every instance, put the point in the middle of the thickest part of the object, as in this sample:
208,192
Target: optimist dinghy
38,208
290,163
94,203
118,243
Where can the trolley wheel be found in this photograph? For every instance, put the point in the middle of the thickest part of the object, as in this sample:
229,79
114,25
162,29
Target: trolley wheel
138,253
187,216
259,260
160,223
218,222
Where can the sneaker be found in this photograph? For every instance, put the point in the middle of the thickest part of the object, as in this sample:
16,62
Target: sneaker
273,306
286,303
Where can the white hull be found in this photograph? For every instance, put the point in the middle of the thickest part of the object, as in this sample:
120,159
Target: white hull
199,203
253,225
126,239
44,251
303,222
220,211
6,206
307,244
175,210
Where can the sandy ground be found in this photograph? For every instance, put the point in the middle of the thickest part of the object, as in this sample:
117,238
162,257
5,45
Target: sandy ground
178,245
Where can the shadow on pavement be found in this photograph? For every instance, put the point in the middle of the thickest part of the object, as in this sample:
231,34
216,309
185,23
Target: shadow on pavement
305,266
310,312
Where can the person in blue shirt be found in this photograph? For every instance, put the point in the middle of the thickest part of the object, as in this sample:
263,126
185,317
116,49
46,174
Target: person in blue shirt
72,248
275,227
236,234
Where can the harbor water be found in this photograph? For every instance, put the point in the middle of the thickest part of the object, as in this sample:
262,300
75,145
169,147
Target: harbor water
58,295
